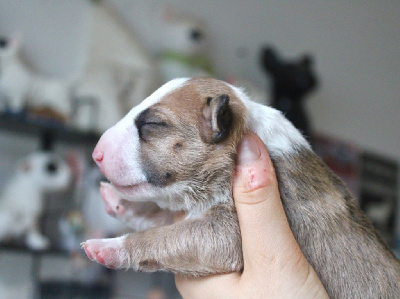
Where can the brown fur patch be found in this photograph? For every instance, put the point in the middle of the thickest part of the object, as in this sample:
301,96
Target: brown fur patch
333,233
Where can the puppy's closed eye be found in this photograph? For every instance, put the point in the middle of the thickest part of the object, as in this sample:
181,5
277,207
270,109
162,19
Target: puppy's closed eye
149,129
149,125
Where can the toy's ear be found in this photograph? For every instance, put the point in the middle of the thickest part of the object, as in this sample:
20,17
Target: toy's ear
307,60
217,119
269,59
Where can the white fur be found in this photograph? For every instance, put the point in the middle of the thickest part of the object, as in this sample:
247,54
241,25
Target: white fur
278,134
21,202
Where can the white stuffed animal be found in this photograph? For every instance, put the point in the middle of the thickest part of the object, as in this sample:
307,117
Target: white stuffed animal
22,87
112,90
119,73
184,42
21,202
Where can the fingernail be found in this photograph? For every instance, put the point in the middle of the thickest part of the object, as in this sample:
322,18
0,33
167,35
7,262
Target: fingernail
248,151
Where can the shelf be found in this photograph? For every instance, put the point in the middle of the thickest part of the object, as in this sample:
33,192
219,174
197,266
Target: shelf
18,247
71,289
24,125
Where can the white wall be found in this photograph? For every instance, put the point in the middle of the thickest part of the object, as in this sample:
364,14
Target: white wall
54,33
356,45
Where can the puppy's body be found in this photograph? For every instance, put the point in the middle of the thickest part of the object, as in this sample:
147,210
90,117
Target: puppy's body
178,148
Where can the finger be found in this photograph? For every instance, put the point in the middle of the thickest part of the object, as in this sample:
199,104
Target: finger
215,286
266,236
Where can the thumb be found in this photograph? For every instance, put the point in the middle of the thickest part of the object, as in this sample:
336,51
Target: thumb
266,236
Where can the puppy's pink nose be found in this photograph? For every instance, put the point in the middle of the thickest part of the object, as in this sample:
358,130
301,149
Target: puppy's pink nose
97,156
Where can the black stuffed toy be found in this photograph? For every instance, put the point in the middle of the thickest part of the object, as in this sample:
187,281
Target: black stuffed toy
291,81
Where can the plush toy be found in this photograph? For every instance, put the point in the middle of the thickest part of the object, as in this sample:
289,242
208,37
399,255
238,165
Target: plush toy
291,81
118,73
21,201
184,42
107,92
24,88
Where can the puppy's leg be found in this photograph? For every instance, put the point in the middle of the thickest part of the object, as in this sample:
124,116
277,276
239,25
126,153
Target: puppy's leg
197,247
137,215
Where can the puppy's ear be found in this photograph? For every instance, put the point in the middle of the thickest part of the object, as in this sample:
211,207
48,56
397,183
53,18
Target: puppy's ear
217,119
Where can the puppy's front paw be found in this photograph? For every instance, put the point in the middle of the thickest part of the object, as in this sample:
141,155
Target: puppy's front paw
111,200
108,252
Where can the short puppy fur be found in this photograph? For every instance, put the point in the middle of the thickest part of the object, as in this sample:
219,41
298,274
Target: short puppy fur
176,152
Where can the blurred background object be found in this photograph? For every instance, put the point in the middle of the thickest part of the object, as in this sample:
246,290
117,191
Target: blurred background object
290,81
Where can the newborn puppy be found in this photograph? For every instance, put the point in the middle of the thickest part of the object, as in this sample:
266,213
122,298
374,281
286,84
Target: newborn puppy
176,152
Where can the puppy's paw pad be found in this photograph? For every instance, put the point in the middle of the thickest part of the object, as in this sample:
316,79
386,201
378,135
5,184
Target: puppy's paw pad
105,252
106,258
111,200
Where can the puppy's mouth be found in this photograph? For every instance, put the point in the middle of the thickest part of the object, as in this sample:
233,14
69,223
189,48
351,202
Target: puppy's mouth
133,188
125,190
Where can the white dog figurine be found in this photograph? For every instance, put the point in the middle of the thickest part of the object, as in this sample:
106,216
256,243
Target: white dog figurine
21,202
119,73
177,149
184,45
22,87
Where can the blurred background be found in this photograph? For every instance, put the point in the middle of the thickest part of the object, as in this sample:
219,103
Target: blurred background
71,69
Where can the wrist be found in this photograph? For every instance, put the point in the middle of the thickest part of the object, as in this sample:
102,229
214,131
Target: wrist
312,287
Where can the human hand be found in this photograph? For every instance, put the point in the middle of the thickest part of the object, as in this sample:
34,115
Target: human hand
274,266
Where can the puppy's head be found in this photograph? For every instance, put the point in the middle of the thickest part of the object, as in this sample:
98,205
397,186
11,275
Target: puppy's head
177,147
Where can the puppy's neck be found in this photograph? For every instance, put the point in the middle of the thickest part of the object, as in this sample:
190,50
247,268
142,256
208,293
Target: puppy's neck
277,133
